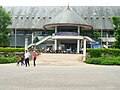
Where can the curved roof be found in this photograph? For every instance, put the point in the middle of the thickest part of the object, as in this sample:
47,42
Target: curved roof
39,12
68,16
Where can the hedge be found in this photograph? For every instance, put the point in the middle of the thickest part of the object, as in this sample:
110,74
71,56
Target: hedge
104,61
4,60
103,52
11,49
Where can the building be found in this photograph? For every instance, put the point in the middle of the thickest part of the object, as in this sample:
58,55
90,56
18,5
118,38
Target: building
60,27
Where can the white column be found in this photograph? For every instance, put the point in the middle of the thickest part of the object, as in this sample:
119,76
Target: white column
107,39
78,30
26,43
33,45
55,48
78,46
55,29
84,50
15,37
55,44
32,36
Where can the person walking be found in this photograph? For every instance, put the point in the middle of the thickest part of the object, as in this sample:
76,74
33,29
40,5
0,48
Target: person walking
34,57
27,56
20,59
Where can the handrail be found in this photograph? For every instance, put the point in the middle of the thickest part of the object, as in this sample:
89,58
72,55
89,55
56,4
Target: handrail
44,39
39,42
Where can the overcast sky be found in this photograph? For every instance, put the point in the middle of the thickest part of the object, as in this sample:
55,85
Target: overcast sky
59,2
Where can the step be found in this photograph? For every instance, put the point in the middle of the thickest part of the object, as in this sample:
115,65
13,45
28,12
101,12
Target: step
60,59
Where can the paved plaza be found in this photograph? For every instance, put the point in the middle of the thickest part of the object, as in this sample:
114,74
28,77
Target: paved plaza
53,77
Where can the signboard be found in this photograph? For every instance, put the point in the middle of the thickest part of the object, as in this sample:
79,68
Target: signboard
95,45
94,42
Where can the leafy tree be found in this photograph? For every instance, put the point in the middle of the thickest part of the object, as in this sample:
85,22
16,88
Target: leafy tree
5,20
116,22
35,40
96,35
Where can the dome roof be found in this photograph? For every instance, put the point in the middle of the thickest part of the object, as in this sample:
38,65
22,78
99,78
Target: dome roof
67,16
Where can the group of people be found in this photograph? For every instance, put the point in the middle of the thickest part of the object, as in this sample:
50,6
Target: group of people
24,58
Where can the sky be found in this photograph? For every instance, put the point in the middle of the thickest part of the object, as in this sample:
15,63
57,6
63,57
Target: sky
59,2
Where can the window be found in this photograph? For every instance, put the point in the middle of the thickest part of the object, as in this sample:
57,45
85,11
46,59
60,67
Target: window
16,17
103,17
27,17
109,17
38,17
50,17
44,17
91,17
97,17
85,17
21,17
33,17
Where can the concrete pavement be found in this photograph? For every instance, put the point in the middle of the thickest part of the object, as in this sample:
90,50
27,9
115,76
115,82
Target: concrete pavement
88,77
59,76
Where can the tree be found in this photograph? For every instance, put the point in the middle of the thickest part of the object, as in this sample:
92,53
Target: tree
96,35
116,22
5,20
35,40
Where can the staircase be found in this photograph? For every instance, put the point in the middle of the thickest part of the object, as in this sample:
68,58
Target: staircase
44,39
90,39
30,45
39,42
105,46
60,59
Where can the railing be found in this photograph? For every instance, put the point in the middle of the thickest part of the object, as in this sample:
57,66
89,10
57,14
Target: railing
90,39
108,36
44,39
39,42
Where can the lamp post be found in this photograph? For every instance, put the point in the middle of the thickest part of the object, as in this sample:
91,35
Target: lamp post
95,14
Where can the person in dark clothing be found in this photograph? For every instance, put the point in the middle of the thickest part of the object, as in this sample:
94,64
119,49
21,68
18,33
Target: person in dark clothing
27,56
34,57
20,59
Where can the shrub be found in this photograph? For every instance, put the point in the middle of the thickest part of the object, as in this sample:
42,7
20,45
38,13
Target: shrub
93,61
11,49
95,52
4,60
104,61
8,52
103,52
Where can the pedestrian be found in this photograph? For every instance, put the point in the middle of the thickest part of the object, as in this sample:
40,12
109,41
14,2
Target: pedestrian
81,50
34,57
20,59
27,56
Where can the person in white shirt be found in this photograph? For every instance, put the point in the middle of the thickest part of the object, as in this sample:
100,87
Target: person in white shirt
27,56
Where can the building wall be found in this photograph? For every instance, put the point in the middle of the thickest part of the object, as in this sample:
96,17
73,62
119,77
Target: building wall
31,18
20,40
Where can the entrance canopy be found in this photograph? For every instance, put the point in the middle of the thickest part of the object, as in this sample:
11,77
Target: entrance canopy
67,37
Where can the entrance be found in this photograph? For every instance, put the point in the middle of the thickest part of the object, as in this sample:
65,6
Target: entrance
70,47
